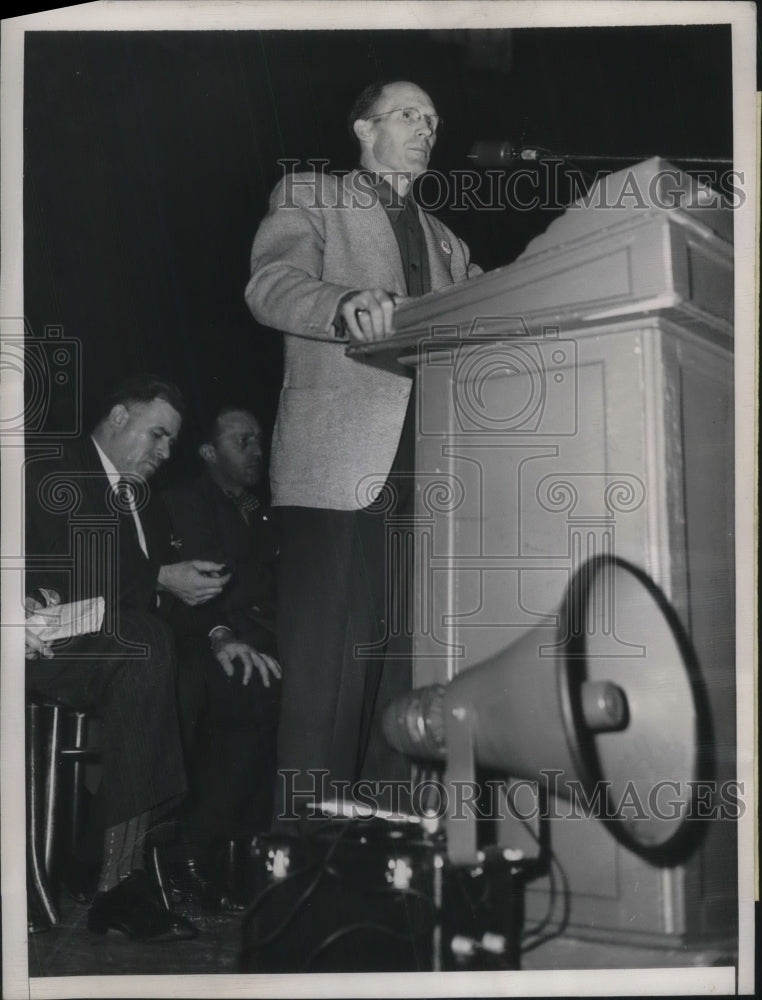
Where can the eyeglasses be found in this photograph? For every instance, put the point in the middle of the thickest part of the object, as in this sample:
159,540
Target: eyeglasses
412,117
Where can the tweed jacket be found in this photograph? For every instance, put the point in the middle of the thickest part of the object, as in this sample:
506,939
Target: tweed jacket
339,418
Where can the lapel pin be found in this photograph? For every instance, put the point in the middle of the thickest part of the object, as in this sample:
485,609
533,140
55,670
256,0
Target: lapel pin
446,246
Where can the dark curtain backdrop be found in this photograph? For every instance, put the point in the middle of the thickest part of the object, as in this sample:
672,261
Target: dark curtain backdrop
149,157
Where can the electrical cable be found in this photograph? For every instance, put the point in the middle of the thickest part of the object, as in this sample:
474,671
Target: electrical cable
565,896
276,884
553,891
321,865
352,929
388,890
543,922
404,894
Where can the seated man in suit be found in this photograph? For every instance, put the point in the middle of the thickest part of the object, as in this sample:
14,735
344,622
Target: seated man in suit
229,686
93,529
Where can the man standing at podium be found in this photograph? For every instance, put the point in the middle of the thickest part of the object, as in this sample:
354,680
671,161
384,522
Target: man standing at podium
329,261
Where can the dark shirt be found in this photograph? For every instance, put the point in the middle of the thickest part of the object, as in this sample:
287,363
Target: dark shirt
403,215
406,226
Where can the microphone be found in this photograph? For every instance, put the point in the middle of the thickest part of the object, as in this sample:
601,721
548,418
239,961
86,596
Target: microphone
502,153
490,153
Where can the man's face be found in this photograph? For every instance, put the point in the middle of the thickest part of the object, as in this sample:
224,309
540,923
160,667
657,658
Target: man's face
142,436
395,145
238,450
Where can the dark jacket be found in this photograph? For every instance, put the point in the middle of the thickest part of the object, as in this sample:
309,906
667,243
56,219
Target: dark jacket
206,524
76,540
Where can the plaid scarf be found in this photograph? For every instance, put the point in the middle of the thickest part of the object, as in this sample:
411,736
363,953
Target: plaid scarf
247,503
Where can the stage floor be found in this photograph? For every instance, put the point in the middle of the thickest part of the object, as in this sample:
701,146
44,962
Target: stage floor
71,950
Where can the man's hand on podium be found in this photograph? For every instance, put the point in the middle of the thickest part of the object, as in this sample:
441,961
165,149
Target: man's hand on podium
367,315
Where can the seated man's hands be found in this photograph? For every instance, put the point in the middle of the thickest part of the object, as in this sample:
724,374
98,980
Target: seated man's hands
34,647
191,581
33,644
367,315
227,648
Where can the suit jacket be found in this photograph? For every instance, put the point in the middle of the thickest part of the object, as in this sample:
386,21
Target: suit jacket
76,540
77,544
207,524
339,418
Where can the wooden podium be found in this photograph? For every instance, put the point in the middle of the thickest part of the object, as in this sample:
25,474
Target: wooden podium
580,401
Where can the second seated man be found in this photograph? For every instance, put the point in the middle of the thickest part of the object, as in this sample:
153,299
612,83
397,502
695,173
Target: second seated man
230,683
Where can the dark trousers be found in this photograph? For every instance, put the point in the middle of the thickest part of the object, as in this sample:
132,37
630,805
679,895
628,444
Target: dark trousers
134,697
344,651
229,738
345,636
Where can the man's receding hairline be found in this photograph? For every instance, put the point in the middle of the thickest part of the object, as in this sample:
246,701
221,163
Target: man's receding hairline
403,83
143,387
367,103
130,404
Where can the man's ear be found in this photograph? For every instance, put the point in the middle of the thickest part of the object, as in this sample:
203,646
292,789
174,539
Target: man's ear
362,129
118,416
207,452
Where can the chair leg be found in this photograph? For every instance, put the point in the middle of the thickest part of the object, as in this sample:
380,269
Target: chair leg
42,911
51,787
78,777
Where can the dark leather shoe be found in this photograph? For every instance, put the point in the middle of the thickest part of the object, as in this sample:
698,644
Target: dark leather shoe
133,908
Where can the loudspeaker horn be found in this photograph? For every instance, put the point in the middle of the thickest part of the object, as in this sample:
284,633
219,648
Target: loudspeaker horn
616,705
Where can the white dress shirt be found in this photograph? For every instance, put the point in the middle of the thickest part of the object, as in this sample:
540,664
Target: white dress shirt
113,477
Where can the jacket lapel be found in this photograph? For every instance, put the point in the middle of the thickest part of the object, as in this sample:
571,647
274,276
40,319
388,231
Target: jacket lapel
374,236
439,251
130,541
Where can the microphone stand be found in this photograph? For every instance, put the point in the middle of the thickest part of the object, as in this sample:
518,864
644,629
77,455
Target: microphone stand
539,154
509,156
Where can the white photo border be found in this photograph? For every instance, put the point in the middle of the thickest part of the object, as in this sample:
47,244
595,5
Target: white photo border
200,15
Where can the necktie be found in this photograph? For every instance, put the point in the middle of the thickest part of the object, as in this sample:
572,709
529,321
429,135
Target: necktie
125,492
